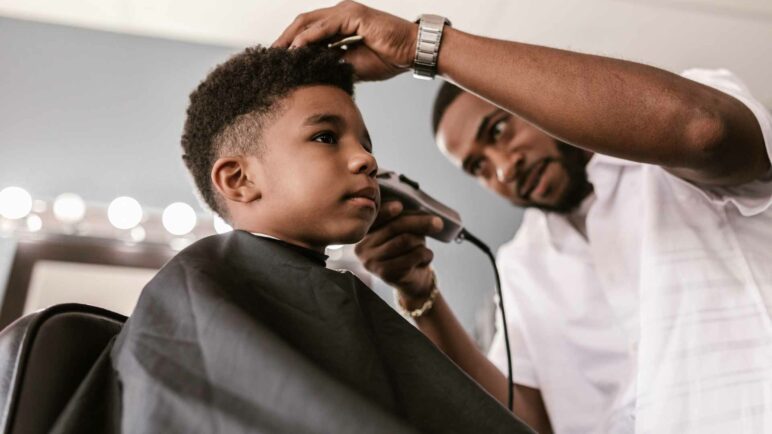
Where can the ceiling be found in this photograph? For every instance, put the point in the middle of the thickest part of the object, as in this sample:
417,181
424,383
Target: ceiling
673,34
243,22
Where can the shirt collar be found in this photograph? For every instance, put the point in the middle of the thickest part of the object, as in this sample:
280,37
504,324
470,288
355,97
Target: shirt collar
319,258
601,159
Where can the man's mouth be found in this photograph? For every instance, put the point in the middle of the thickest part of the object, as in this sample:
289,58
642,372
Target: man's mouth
530,179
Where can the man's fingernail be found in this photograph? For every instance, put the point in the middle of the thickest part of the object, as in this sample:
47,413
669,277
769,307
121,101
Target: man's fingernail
395,207
437,223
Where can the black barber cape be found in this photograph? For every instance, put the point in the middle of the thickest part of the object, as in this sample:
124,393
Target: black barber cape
240,333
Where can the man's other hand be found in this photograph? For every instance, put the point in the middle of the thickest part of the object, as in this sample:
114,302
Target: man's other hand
389,42
395,250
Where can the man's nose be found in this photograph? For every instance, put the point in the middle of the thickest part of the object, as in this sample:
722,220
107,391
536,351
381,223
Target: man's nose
507,165
363,162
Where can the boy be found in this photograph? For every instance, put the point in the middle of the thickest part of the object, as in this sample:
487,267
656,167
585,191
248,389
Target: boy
248,331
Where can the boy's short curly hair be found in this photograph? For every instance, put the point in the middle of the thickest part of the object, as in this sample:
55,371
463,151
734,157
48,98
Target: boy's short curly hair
228,109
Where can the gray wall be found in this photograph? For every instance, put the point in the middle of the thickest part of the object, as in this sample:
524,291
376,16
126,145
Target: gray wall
100,114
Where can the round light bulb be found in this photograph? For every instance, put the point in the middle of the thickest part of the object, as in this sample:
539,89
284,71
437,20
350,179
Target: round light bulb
124,212
220,226
138,234
179,218
34,223
69,208
15,203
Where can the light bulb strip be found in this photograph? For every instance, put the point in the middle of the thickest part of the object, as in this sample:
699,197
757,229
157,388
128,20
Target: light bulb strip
70,214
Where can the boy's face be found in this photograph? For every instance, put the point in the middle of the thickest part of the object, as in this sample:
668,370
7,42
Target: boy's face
315,171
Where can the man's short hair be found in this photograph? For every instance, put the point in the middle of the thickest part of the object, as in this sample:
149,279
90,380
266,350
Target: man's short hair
445,96
228,109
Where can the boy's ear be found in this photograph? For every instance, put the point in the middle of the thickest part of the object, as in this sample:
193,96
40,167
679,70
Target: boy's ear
231,178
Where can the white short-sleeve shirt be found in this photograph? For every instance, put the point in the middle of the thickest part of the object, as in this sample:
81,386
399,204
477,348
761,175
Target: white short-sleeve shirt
659,321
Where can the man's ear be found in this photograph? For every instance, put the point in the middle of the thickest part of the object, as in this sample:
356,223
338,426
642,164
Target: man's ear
230,176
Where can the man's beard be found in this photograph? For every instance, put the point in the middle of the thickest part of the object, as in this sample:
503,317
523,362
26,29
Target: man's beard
574,162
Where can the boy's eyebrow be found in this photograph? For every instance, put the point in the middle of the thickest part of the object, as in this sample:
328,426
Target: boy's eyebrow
324,118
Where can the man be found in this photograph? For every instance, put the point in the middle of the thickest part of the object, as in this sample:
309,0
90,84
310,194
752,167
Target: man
639,283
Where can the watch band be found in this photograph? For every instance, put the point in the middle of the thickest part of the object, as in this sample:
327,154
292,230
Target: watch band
427,47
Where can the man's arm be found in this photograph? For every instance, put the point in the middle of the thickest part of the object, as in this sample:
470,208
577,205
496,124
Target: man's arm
614,107
605,105
441,326
395,250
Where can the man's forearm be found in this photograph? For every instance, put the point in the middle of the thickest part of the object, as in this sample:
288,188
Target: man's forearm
441,327
611,106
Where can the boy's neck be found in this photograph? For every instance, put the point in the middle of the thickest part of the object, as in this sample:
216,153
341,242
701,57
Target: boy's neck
275,236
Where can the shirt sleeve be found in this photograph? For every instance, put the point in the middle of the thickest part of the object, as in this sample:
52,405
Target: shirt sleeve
753,197
523,372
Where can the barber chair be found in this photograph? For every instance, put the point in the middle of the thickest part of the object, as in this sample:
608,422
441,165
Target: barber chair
44,357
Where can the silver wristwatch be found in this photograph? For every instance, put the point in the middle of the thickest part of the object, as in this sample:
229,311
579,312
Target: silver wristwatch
427,46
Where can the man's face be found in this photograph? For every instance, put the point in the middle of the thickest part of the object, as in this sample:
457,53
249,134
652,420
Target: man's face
511,156
316,170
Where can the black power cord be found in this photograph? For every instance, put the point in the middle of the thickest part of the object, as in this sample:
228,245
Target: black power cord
465,235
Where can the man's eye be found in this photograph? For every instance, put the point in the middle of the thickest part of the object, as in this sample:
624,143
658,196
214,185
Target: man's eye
328,138
498,129
476,167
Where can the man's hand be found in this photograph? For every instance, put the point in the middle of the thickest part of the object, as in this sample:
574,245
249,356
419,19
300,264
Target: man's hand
395,250
389,42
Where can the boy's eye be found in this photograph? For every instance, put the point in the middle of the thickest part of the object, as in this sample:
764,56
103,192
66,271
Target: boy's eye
325,137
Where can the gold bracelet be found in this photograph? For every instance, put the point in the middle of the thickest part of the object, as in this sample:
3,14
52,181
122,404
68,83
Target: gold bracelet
425,307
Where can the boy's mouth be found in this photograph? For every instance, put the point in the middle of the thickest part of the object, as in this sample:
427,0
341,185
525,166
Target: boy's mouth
367,196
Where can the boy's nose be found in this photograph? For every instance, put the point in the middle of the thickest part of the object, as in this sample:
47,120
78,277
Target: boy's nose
363,162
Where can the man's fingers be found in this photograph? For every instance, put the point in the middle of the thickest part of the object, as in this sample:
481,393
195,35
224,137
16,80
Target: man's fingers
388,211
393,248
321,24
298,25
318,31
326,28
396,269
385,51
368,65
418,224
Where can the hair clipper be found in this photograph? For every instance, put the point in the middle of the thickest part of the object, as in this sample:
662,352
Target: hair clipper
395,186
